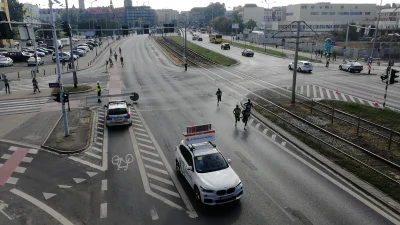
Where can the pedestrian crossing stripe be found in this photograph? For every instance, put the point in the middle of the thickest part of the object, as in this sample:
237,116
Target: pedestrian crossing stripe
19,106
26,84
318,92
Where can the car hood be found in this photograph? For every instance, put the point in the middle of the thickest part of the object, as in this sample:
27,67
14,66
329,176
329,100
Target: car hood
221,179
355,64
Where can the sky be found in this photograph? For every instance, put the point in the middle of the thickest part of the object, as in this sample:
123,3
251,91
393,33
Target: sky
182,5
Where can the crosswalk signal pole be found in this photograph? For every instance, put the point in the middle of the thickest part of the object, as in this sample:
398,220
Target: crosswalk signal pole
64,112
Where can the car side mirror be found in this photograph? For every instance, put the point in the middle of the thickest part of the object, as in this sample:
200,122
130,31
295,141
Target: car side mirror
229,161
189,168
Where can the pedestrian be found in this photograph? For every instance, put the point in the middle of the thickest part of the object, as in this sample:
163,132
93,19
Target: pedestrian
185,63
33,72
3,75
98,89
316,53
327,62
322,52
236,112
219,96
35,85
245,117
276,46
334,56
6,84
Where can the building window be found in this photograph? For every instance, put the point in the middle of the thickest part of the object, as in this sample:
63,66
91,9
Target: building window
314,13
332,13
367,13
304,7
324,13
312,7
356,13
327,7
289,14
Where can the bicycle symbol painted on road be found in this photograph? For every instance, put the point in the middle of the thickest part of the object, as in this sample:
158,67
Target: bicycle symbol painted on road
121,163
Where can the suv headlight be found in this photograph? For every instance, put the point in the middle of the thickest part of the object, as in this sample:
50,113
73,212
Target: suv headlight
206,190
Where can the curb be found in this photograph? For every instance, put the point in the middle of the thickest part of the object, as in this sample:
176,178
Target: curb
63,152
363,186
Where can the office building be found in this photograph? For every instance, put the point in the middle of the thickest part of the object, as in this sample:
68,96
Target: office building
44,14
137,16
127,3
82,4
167,16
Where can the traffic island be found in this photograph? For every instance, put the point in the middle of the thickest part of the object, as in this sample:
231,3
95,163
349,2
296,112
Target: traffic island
73,90
307,126
80,123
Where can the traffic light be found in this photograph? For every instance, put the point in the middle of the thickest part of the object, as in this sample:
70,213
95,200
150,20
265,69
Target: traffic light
98,30
66,28
384,78
66,97
393,76
57,97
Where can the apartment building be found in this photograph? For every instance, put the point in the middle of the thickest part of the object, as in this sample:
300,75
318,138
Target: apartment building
166,16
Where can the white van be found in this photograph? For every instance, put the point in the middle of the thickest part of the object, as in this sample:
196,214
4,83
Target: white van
65,41
59,44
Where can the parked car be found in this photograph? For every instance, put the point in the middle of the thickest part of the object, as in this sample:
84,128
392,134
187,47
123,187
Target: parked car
64,56
6,61
43,50
194,38
248,52
80,53
83,48
225,46
86,45
43,45
32,61
351,66
302,66
18,56
200,39
92,43
40,54
49,50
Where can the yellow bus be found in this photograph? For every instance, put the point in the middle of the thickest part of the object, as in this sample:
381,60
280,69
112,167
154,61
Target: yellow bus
215,38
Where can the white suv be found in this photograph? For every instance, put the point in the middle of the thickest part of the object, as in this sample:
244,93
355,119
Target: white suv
118,113
212,178
64,56
302,66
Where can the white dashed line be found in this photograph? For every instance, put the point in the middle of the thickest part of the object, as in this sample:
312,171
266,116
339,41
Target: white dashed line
93,155
145,140
104,185
257,126
103,210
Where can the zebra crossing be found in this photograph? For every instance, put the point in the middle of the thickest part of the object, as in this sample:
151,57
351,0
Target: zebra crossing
26,84
318,92
20,106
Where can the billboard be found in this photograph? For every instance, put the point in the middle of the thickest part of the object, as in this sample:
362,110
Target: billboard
235,26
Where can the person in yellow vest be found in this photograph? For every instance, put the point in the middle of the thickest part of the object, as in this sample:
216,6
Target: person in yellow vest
98,90
185,63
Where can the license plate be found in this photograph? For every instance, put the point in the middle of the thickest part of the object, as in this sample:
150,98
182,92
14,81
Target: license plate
118,119
225,197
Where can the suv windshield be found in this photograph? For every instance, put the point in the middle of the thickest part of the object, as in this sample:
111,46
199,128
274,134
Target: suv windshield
210,163
117,111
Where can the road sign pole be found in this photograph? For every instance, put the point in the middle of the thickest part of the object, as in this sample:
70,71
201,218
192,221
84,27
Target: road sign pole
384,97
296,53
72,52
64,112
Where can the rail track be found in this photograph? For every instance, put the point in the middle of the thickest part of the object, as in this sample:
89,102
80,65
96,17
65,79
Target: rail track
381,165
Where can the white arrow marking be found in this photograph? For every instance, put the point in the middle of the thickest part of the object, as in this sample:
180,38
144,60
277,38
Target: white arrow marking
3,206
91,174
79,180
48,195
64,186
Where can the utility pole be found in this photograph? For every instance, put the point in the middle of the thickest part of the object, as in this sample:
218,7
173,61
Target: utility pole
64,112
373,43
345,43
72,52
296,56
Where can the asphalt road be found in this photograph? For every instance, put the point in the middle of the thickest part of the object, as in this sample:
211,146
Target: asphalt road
137,182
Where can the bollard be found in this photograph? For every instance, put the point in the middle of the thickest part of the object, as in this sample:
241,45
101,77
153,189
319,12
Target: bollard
18,74
55,71
44,72
87,64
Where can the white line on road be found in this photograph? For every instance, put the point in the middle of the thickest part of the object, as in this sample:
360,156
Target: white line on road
301,89
147,146
314,91
156,169
139,129
144,135
166,191
344,97
265,131
103,210
101,128
328,93
153,213
149,153
145,140
308,90
31,151
137,121
152,160
12,180
104,185
321,93
136,124
99,138
99,143
93,155
60,218
257,126
88,163
96,149
160,179
105,151
283,143
273,137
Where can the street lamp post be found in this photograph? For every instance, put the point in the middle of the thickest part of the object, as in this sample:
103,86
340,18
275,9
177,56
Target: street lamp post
64,112
72,52
373,43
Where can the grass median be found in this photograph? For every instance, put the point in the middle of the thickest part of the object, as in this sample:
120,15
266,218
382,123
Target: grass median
214,56
364,139
258,49
303,58
72,90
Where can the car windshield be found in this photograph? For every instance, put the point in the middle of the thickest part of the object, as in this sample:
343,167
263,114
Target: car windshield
210,163
116,111
307,64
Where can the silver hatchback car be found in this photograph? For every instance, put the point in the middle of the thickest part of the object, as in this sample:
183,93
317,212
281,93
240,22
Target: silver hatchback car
118,113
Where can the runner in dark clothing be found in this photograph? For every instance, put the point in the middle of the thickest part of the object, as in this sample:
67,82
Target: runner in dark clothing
237,112
219,95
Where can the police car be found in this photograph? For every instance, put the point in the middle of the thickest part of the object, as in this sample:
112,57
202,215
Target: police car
118,113
204,167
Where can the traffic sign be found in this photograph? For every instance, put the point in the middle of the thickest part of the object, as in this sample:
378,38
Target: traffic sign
54,85
314,43
134,97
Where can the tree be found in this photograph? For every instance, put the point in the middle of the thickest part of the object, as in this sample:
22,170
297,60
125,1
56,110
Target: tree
237,19
251,24
214,10
16,10
222,24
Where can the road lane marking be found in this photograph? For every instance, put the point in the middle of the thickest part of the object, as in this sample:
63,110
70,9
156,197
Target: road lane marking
164,190
91,174
93,155
301,89
103,210
153,213
265,131
11,164
321,93
251,121
149,153
152,160
145,140
88,163
190,210
64,186
156,169
328,93
99,143
344,97
145,180
78,180
122,162
31,151
144,135
257,126
12,180
99,138
105,151
139,129
48,195
137,121
104,185
96,149
60,218
147,146
308,90
314,91
2,207
273,137
160,179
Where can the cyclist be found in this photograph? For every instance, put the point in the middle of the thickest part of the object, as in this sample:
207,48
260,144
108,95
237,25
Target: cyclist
122,60
219,95
248,105
236,112
115,56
